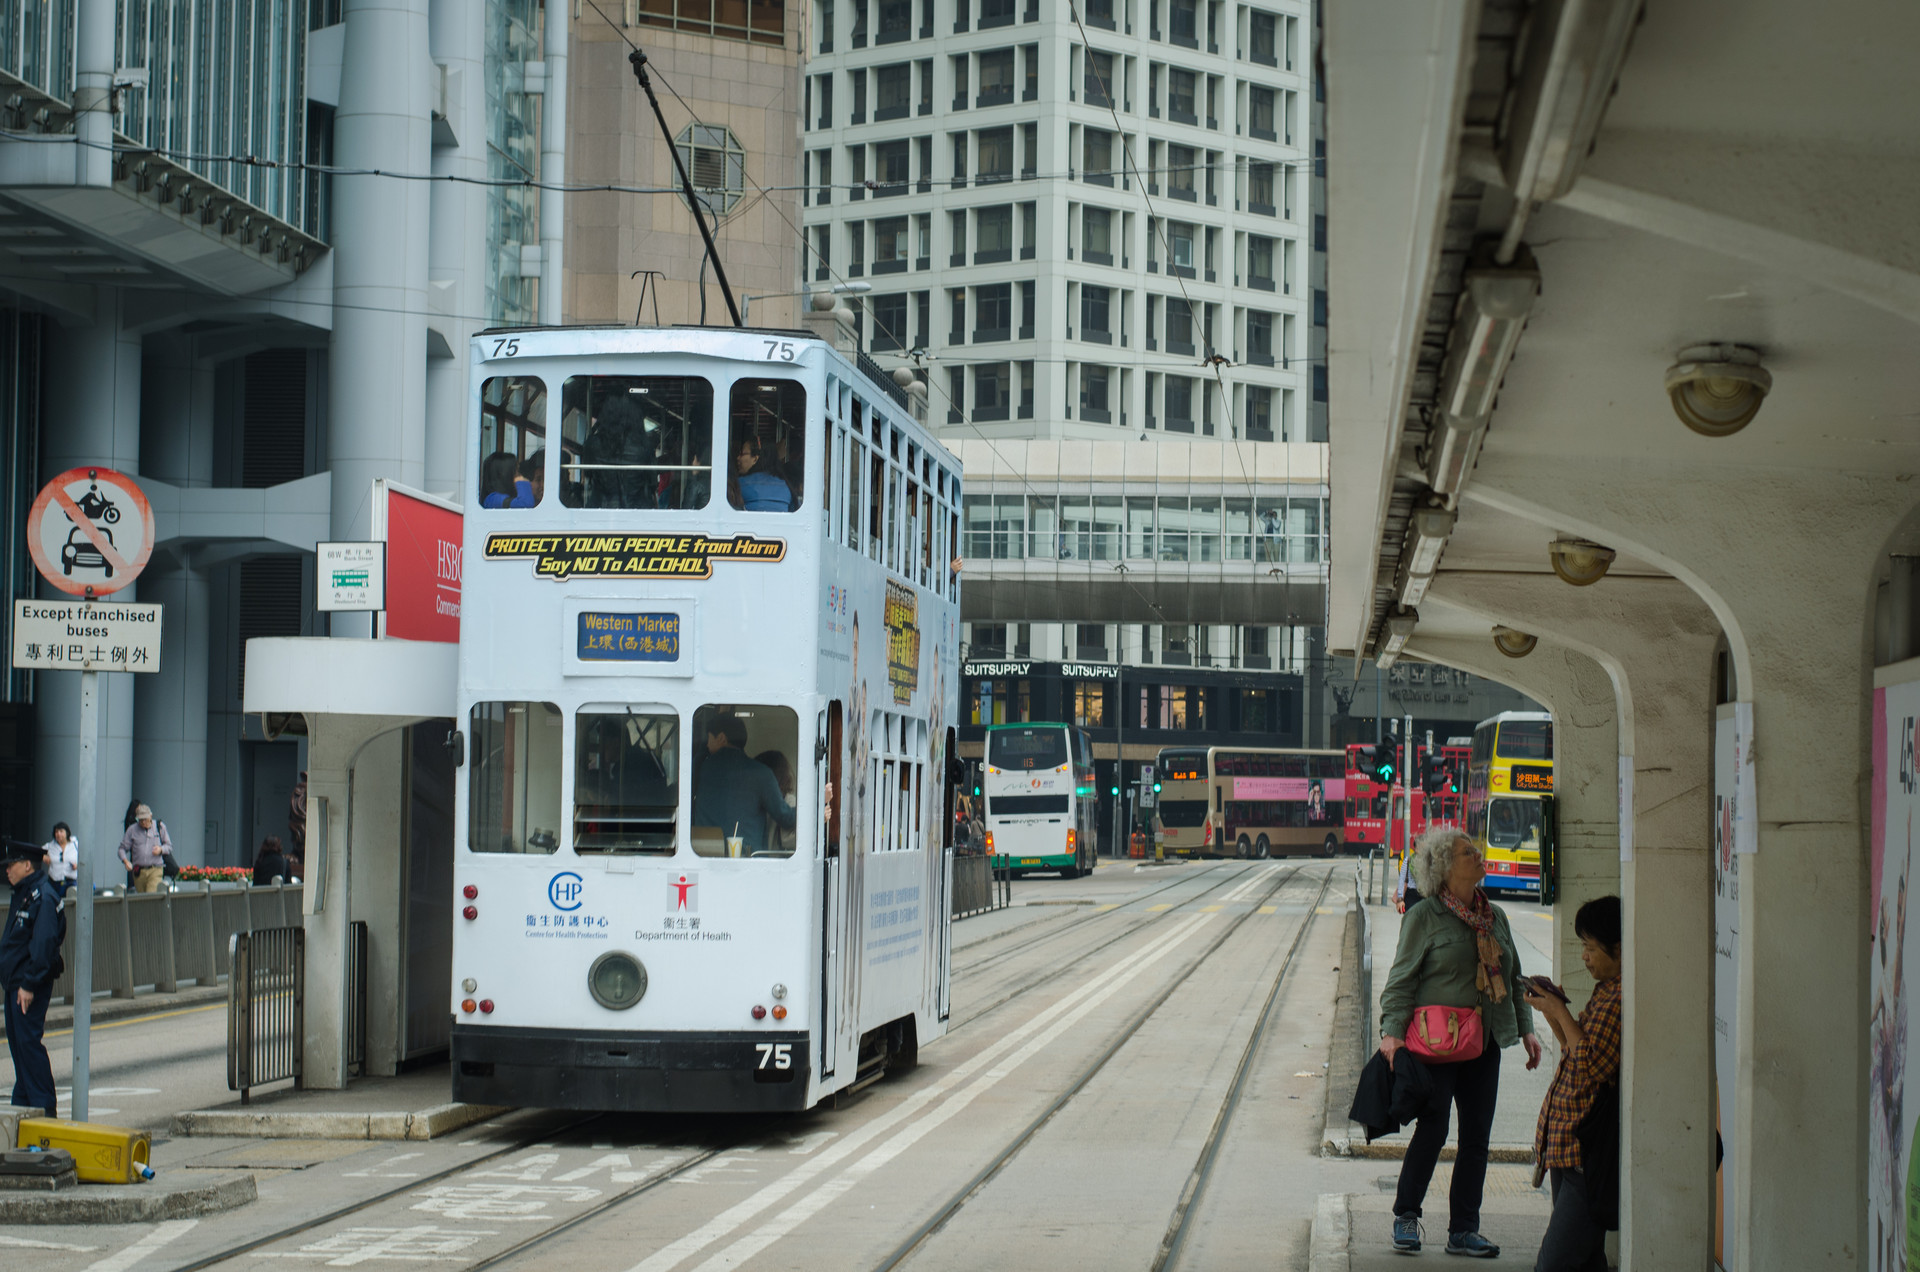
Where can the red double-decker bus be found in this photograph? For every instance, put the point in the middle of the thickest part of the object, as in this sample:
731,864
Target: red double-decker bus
1373,805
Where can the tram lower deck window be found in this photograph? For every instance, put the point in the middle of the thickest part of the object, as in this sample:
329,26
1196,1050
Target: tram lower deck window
636,441
626,781
743,780
513,793
766,446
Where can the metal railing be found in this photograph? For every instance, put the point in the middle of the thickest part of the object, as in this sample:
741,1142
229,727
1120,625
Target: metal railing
978,887
164,938
1360,891
266,1007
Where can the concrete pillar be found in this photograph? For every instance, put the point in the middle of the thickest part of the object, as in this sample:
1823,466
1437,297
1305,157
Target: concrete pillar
1788,562
1586,744
170,716
93,64
377,362
1656,639
93,417
553,164
458,262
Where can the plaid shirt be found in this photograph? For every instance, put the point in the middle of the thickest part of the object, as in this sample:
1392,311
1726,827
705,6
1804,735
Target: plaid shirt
1584,1069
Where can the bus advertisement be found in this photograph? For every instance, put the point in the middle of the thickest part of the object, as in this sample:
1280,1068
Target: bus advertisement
1511,767
1250,802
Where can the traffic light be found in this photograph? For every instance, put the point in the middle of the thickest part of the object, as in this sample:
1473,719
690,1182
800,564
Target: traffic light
1156,786
1433,774
1381,764
1114,791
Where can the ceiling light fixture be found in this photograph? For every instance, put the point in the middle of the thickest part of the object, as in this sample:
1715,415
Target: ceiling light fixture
1512,643
1579,561
1717,389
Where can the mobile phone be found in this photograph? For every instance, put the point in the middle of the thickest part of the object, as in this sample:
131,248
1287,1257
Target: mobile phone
1545,986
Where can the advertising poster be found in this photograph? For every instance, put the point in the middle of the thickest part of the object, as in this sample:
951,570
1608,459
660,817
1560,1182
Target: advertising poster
422,535
1893,1220
1733,784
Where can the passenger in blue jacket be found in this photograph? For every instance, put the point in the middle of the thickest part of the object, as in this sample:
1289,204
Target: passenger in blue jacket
29,963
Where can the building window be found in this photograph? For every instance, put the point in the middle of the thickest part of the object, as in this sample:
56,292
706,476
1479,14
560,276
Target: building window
1094,402
1096,235
893,91
1181,108
996,78
1180,403
1260,113
716,163
758,21
1180,237
992,312
1264,48
995,154
1180,172
896,21
890,245
1097,156
1090,696
996,13
1259,413
993,234
1098,83
1260,188
889,322
1179,326
991,389
890,160
1259,338
1095,308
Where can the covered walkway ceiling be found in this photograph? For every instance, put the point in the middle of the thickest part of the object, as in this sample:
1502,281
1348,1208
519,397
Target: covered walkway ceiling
1704,176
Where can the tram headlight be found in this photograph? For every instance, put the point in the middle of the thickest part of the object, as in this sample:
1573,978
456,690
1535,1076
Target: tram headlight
617,980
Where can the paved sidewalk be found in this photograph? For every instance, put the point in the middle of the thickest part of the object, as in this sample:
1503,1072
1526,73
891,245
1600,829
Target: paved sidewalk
412,1106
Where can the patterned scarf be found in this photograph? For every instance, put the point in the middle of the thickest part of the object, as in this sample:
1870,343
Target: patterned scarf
1479,917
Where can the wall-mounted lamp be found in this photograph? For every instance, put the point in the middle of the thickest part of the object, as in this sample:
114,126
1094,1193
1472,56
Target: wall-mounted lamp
1493,307
1578,561
1512,643
1716,390
1426,540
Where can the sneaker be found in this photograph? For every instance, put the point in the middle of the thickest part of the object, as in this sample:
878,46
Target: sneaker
1406,1233
1471,1244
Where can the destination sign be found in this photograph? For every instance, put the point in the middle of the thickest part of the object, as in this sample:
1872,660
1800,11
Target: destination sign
603,637
630,556
1533,777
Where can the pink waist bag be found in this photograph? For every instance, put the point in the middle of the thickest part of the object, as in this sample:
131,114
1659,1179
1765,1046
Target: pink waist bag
1443,1035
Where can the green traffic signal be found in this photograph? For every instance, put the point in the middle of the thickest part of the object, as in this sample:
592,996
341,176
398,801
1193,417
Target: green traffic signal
1114,791
1156,788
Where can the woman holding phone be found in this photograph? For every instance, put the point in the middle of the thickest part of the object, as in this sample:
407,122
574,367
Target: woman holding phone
1456,970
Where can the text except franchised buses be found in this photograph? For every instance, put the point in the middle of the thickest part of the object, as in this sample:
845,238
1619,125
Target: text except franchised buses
78,615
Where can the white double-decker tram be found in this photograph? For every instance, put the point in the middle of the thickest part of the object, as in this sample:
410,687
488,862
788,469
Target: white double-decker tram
708,626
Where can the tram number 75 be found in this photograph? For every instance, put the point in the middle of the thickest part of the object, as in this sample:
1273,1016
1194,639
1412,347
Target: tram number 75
779,350
778,1055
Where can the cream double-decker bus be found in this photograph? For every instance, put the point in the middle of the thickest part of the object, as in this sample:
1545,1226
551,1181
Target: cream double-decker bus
704,681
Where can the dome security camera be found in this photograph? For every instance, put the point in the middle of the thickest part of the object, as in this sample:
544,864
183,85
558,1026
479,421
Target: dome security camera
1512,643
1578,561
1716,390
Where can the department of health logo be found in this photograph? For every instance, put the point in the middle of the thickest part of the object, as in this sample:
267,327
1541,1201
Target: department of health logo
566,890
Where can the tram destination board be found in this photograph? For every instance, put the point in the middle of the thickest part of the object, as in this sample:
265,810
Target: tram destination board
86,636
630,556
609,637
1533,778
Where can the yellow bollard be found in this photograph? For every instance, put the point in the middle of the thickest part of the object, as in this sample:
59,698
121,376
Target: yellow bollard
101,1154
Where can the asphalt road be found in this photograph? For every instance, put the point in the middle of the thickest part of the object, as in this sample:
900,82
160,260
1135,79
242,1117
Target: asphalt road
1132,1079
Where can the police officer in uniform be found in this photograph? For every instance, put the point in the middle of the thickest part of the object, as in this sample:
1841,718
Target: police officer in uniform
29,962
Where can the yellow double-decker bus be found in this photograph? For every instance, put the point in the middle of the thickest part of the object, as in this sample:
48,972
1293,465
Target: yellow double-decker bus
1510,768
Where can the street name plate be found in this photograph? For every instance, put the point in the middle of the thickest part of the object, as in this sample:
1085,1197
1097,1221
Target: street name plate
85,636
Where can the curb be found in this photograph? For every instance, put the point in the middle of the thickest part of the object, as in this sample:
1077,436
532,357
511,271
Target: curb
129,1203
1327,1248
423,1124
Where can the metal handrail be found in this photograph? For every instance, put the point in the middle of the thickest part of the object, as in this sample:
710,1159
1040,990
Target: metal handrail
266,1007
1366,958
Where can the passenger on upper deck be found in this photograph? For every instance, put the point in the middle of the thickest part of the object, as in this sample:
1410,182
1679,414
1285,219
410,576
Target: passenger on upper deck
498,484
756,484
732,790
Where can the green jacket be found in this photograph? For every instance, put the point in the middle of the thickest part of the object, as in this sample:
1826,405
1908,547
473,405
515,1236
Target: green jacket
1436,963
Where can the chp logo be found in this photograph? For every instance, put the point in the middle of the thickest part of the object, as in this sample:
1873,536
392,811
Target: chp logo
566,891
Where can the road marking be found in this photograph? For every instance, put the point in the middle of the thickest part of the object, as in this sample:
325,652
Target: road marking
737,1215
141,1020
377,1172
1212,909
1267,909
24,1244
528,1170
807,1143
914,1113
620,1167
1162,906
1254,879
419,1244
170,1231
509,1203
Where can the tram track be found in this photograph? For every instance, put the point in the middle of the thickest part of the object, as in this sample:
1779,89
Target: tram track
1195,1188
1053,974
1056,929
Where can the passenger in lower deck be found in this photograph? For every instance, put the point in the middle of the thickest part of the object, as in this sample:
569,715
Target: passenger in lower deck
736,793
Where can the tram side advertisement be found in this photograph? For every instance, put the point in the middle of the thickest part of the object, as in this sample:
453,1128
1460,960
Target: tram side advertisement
1893,1173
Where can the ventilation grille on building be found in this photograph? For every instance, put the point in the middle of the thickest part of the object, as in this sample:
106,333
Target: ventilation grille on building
274,420
270,604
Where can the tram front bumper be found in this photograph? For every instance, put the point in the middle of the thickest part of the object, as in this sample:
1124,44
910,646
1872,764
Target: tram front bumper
651,1072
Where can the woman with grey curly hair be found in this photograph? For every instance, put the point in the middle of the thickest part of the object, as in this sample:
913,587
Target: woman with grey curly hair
1456,951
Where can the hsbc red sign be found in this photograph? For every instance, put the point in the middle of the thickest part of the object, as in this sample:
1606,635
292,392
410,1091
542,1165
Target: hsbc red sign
423,563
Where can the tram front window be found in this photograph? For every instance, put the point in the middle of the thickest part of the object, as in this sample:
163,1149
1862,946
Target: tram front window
636,441
513,440
1513,823
766,446
514,792
626,780
743,780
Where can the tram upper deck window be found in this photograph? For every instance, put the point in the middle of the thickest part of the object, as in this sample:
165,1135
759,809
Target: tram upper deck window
636,441
513,440
767,445
513,794
626,781
744,762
